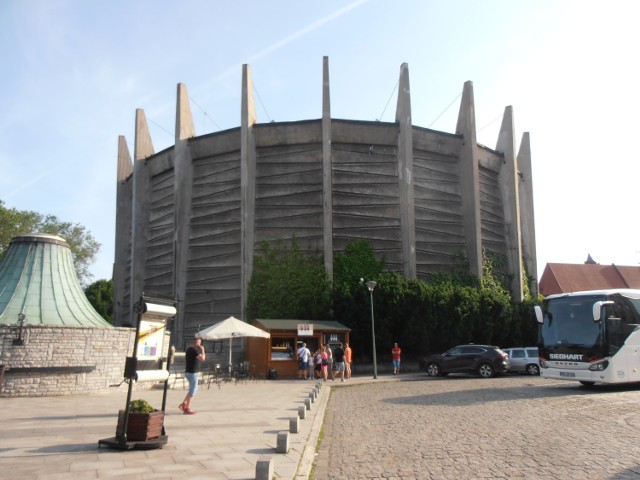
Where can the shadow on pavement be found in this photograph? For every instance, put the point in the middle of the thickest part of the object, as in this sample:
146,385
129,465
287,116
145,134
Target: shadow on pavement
67,448
474,396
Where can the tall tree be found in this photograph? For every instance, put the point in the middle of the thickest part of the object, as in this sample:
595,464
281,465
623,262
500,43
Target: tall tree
100,296
84,246
288,283
351,300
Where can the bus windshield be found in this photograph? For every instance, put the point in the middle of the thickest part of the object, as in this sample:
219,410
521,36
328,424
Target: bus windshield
568,321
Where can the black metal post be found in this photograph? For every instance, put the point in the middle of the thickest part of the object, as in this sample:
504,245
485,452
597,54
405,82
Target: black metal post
371,285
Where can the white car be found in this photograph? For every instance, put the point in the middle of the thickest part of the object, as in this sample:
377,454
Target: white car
524,359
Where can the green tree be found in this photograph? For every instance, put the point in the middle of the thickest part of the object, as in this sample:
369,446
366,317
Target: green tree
84,246
100,296
350,296
286,283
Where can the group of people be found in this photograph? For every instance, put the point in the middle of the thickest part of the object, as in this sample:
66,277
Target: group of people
325,362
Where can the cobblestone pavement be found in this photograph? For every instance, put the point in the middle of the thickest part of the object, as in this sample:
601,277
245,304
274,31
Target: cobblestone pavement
509,427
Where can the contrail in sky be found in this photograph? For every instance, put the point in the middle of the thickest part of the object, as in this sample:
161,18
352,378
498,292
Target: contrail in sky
233,70
290,38
25,185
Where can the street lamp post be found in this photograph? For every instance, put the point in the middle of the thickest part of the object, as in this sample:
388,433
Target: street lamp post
371,285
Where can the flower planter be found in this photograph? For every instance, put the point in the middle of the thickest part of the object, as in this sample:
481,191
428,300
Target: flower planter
141,426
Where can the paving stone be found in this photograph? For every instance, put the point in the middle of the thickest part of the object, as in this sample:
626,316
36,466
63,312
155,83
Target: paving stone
462,427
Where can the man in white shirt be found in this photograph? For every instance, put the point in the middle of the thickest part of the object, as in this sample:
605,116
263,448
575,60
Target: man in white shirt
303,361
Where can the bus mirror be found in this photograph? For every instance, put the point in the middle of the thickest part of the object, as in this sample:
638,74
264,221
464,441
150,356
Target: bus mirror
539,316
597,309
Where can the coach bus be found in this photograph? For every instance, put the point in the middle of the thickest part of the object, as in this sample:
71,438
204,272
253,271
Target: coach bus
591,337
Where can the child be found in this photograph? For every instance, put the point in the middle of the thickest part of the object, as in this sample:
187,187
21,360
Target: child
318,363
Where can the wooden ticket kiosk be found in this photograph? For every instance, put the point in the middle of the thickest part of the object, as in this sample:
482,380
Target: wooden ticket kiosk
278,353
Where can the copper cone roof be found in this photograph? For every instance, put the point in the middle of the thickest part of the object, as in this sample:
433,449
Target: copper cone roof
38,279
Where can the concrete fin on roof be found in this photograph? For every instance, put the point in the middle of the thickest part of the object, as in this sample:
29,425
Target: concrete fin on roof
38,280
143,147
125,167
184,120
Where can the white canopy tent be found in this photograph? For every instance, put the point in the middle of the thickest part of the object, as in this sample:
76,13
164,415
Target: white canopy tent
231,328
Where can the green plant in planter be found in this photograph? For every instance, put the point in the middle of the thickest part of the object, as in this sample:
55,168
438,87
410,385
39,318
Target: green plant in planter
140,406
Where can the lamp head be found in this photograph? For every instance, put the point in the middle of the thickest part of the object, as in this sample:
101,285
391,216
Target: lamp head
371,285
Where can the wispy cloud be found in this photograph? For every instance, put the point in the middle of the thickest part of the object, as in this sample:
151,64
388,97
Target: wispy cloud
203,90
233,70
24,185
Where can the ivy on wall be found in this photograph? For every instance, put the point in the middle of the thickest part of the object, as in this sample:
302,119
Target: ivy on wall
447,309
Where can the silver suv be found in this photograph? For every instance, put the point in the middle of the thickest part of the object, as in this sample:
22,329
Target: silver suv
524,359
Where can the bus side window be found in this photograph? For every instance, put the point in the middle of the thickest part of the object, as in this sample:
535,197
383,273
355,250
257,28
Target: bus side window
617,322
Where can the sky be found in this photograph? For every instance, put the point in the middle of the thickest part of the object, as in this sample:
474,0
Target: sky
75,71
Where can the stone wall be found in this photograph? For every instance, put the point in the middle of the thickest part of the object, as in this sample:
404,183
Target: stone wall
57,360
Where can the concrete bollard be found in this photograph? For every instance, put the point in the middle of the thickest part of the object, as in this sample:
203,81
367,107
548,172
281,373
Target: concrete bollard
264,469
302,412
307,403
294,425
282,446
312,397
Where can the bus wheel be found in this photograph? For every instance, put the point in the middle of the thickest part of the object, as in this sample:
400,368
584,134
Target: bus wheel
587,384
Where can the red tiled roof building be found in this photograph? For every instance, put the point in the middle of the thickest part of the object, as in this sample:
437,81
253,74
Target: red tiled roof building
568,277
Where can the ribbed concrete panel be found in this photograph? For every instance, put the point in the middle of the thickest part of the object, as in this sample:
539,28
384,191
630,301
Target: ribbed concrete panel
366,201
38,279
215,144
491,214
440,239
125,318
160,234
438,143
288,134
214,264
289,184
366,133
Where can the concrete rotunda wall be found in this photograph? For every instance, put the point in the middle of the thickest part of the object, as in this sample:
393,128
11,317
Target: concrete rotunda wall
198,211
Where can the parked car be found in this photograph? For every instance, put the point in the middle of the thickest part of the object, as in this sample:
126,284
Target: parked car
524,359
484,360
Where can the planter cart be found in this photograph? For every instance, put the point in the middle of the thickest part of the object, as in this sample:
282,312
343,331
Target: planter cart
145,431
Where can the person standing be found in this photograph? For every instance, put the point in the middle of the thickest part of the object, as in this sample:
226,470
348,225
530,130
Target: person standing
325,363
303,361
395,355
347,360
327,349
338,361
194,354
318,363
311,365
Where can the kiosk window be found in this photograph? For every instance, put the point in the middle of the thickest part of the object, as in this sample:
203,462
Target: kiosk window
282,348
